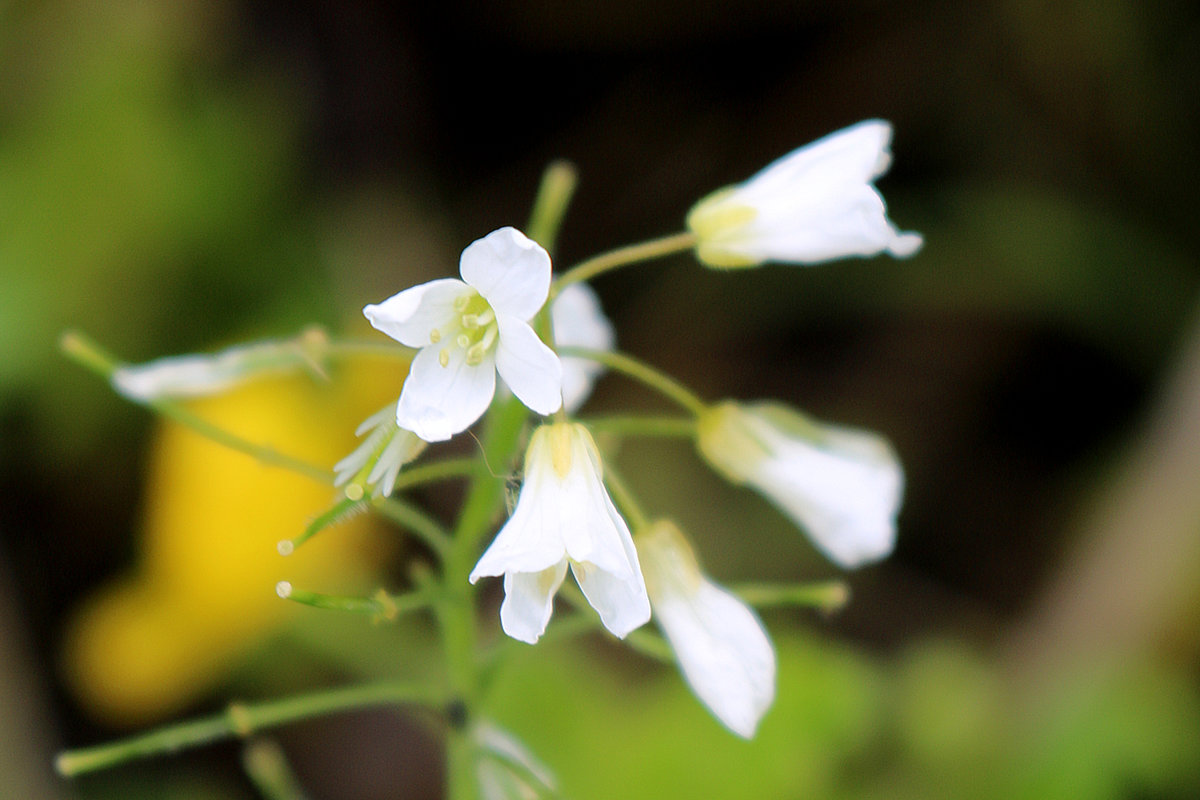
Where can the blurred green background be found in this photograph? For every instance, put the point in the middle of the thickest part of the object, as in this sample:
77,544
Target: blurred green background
178,176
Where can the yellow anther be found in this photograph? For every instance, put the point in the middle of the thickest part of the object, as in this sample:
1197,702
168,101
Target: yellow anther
435,336
463,340
444,358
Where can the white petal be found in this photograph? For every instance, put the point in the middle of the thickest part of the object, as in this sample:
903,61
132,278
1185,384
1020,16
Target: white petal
843,486
724,653
532,539
529,601
815,204
511,271
580,322
851,223
410,316
438,402
621,601
857,154
507,770
845,491
528,366
722,648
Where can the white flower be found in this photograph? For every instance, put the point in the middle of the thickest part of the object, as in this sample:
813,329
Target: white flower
467,332
506,768
841,485
815,204
198,375
722,648
563,517
376,462
579,321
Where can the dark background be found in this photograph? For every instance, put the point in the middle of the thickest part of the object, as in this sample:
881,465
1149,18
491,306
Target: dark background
174,177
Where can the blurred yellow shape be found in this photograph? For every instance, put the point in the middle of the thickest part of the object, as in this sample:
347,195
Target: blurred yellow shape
203,589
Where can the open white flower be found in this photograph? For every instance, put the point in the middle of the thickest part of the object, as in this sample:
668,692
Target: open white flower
843,486
374,465
815,204
722,648
469,330
564,517
580,322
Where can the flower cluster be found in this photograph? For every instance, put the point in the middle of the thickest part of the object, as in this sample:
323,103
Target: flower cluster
509,316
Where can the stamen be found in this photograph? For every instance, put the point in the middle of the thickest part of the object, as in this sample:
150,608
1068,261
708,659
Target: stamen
463,341
461,302
435,335
486,317
489,336
475,355
444,358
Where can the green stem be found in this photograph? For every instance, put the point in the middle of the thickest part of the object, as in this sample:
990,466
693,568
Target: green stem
828,596
434,471
88,354
240,721
642,640
554,195
417,521
624,256
356,349
267,768
667,427
624,498
485,498
381,605
643,373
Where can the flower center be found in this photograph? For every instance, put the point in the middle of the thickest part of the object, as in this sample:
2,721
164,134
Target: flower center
477,330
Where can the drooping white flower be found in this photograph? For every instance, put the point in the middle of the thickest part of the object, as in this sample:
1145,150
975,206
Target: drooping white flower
722,648
564,517
376,462
579,321
199,375
815,204
843,486
469,330
506,768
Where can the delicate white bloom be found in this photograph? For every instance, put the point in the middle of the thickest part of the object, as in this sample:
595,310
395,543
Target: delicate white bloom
815,204
376,462
843,486
469,330
201,374
722,648
506,768
563,517
579,321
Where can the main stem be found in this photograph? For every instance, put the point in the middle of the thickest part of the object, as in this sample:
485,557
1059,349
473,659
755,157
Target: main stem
485,500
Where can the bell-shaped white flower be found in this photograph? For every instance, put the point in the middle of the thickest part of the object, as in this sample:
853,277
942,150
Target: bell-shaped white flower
506,768
815,204
374,465
579,321
564,517
722,648
843,486
469,330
